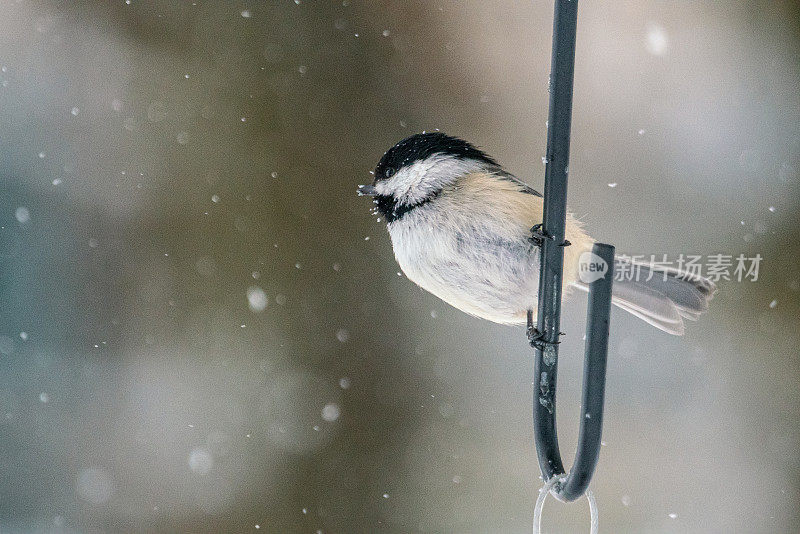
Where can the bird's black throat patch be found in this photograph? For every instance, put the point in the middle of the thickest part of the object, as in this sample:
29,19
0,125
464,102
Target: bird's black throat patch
393,211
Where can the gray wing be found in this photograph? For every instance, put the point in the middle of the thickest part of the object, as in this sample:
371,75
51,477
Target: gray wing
503,175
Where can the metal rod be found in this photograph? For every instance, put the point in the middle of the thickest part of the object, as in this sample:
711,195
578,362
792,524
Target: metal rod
594,377
545,336
552,253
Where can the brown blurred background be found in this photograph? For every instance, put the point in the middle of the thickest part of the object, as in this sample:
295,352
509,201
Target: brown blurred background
203,329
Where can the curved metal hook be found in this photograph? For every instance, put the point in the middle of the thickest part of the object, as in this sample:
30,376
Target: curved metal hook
594,379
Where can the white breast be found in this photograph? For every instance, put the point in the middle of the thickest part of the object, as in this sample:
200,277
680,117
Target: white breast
470,248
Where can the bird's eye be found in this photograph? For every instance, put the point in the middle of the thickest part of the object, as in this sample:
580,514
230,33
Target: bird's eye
389,172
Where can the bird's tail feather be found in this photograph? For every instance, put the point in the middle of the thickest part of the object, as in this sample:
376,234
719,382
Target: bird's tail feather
661,296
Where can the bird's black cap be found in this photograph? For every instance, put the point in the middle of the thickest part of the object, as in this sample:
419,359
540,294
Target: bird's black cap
423,145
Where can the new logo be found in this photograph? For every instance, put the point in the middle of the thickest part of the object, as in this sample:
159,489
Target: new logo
591,267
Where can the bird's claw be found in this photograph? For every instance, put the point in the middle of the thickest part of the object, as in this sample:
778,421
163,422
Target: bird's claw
537,236
533,334
536,338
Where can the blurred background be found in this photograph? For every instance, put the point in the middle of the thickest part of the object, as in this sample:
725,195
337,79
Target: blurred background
204,330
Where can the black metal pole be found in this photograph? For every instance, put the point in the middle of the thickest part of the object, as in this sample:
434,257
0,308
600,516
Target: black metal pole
545,337
548,319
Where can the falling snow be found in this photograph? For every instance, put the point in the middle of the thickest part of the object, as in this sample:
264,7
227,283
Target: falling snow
256,299
330,412
657,41
22,215
201,461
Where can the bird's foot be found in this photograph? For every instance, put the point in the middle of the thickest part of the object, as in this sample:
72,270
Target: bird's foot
537,236
533,334
536,339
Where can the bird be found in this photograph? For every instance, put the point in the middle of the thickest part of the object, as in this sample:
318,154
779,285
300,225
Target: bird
465,230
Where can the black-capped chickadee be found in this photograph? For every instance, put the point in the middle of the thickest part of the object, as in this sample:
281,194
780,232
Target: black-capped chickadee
461,228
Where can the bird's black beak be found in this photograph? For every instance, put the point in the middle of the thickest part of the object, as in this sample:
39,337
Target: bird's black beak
367,191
